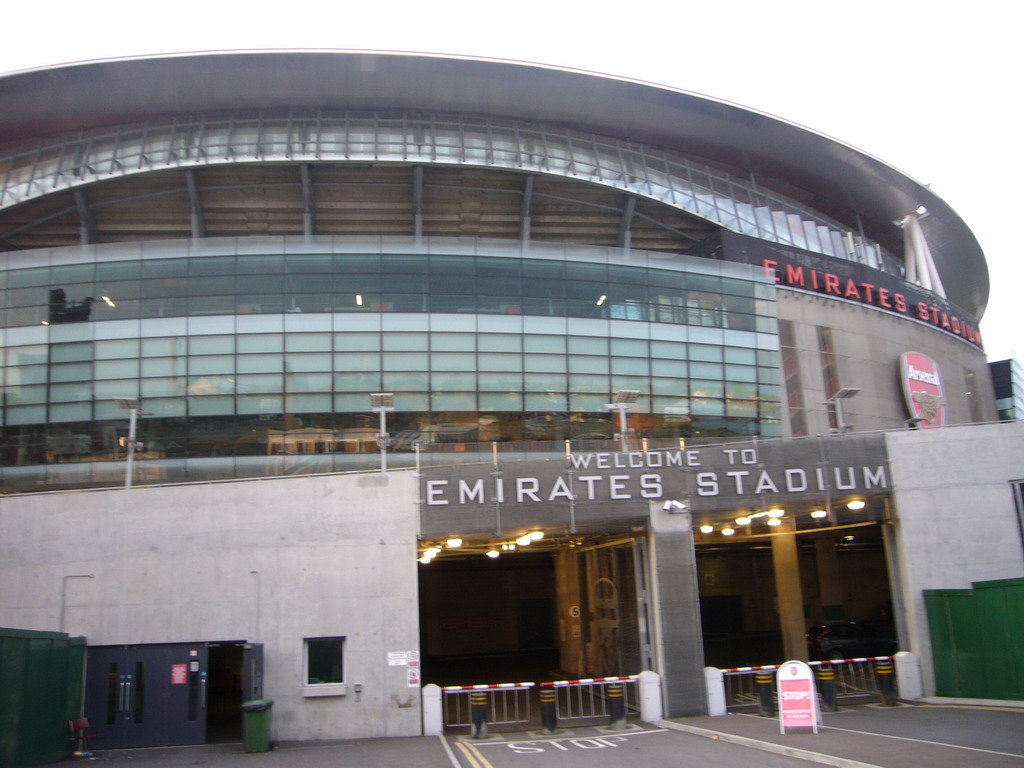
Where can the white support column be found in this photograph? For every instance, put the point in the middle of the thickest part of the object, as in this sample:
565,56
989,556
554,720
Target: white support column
651,709
433,719
714,682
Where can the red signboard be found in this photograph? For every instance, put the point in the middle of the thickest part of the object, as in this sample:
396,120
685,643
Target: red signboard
179,674
798,700
923,390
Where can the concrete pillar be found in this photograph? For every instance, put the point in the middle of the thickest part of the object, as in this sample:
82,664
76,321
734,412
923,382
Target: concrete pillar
789,595
570,611
675,613
830,585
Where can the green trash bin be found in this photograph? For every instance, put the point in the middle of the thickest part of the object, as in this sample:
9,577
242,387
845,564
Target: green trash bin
256,725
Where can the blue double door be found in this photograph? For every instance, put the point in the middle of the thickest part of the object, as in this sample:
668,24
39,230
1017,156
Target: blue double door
161,695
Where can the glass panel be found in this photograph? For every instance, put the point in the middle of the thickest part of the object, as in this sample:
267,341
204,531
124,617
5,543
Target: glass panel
68,353
164,346
453,361
589,365
545,363
500,342
452,342
262,342
71,372
211,365
163,366
357,382
357,361
356,341
116,349
669,368
211,345
405,361
555,344
308,342
584,345
211,406
413,342
325,660
116,369
260,363
308,361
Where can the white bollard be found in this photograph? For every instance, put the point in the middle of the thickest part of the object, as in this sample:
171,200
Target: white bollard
651,709
908,676
433,718
714,684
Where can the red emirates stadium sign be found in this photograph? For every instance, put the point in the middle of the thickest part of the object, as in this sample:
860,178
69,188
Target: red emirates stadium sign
922,388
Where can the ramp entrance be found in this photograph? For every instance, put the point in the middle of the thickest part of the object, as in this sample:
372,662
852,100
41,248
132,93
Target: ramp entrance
844,576
555,609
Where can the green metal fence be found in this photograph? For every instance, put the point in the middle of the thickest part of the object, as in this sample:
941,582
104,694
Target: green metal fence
978,639
40,691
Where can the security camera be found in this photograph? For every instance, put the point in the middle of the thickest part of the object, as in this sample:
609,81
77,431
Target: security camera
673,506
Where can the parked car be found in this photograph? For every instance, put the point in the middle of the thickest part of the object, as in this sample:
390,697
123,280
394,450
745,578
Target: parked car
850,639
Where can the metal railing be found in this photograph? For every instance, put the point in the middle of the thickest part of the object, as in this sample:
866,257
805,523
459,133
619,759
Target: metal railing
854,678
507,703
588,698
730,201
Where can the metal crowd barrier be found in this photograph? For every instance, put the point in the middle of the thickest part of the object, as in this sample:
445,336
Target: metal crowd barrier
589,697
507,703
852,678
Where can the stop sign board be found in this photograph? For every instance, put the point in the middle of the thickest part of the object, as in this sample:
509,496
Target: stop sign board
798,700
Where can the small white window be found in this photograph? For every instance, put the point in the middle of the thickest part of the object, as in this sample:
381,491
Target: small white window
325,667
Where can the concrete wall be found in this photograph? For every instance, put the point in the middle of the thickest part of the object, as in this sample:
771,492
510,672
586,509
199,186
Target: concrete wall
867,345
956,521
271,561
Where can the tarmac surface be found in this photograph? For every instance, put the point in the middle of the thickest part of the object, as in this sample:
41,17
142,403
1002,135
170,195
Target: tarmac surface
863,736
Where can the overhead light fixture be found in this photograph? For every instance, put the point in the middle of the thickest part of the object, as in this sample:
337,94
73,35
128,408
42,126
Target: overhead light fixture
819,513
536,535
425,559
728,531
110,302
493,553
359,299
601,299
453,543
856,504
773,521
743,521
707,529
776,512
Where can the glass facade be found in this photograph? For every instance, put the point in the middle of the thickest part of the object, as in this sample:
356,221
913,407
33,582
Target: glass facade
241,349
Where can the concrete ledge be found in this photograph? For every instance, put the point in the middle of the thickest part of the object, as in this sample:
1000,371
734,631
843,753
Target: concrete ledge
951,702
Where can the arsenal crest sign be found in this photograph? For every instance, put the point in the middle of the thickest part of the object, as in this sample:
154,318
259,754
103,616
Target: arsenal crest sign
922,389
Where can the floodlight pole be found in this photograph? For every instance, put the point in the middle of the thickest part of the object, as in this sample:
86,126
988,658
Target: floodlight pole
382,403
131,405
623,400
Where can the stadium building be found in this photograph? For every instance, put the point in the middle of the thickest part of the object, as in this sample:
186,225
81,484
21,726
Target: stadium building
617,317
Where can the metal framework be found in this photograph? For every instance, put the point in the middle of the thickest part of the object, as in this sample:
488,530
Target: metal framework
727,201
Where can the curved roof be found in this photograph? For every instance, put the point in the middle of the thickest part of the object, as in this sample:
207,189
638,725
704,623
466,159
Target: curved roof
809,167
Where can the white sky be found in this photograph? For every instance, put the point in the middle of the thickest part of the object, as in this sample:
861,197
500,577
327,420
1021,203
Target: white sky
930,88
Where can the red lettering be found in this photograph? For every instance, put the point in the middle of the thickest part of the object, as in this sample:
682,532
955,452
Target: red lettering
883,298
922,311
769,269
945,322
935,314
832,284
956,325
851,290
794,275
901,302
814,279
868,288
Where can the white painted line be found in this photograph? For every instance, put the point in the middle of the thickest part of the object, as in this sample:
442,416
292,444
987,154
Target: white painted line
577,737
448,751
924,741
767,746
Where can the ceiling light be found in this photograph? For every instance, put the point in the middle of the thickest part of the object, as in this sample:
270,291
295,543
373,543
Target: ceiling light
536,535
856,504
110,302
728,531
819,513
493,553
453,543
776,512
707,528
742,521
524,541
425,559
600,300
774,521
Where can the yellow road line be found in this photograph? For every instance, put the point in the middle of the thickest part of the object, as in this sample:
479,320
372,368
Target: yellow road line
473,755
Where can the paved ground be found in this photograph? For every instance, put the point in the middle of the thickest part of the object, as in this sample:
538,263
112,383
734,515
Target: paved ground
945,736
